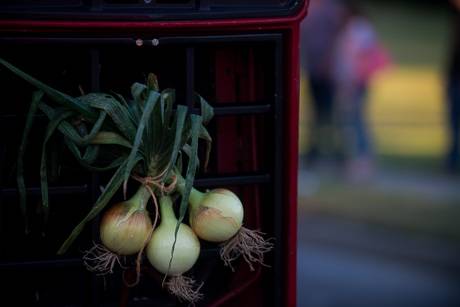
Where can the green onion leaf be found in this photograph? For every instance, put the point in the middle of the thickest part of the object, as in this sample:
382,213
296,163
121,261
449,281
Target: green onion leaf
191,169
118,113
152,83
36,98
110,138
60,115
207,112
109,191
73,148
181,113
137,91
148,108
57,96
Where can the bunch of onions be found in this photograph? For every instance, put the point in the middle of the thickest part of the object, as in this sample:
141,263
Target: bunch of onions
174,255
142,138
217,216
148,135
124,230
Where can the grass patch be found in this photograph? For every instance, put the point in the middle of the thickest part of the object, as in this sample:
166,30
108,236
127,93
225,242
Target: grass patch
412,213
428,165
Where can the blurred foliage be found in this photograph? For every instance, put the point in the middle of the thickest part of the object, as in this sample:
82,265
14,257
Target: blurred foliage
416,32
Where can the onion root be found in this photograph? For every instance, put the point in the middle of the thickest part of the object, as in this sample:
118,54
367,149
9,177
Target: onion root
247,243
182,287
101,260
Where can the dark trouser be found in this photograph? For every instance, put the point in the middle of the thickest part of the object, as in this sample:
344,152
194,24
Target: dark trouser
322,92
354,127
453,92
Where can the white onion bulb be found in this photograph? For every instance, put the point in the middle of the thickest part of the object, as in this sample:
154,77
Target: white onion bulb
216,215
126,225
186,250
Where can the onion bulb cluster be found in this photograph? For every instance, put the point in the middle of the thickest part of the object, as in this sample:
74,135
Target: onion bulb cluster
151,134
214,216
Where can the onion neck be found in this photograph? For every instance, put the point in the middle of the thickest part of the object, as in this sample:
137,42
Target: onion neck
195,197
166,211
140,199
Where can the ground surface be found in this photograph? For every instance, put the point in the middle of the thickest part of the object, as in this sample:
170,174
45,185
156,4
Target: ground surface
350,256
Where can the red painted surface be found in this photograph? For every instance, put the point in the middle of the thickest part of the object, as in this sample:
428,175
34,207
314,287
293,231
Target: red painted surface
235,77
292,121
193,26
289,26
291,77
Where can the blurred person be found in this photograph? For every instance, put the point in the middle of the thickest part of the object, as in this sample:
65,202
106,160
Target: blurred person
453,91
358,56
319,35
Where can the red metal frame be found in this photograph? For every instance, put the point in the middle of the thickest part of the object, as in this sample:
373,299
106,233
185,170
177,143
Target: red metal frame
292,121
289,26
256,24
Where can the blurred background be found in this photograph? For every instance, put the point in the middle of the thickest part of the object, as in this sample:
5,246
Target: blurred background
379,175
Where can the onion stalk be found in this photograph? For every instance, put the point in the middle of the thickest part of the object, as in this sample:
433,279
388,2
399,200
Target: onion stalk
172,255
